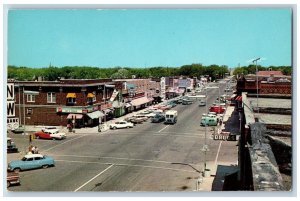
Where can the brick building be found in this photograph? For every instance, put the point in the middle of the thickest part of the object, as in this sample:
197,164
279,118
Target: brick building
269,82
65,101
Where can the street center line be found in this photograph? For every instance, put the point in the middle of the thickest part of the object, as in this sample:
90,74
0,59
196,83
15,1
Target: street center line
217,156
163,128
94,178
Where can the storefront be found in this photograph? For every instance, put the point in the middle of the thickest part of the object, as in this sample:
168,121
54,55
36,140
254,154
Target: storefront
93,118
139,103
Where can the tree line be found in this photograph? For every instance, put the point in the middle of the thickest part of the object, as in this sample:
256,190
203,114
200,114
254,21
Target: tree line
251,69
85,72
53,73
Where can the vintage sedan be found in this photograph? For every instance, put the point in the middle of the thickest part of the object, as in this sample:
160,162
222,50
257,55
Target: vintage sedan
121,124
13,178
50,135
31,161
134,120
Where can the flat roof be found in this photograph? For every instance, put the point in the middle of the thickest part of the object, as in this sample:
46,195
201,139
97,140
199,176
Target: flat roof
271,102
275,118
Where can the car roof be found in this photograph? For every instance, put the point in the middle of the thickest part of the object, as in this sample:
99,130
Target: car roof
33,155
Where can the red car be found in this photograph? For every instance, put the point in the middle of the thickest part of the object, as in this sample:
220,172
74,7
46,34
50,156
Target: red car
217,109
48,135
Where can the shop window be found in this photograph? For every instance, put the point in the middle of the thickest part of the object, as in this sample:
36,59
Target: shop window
51,97
71,100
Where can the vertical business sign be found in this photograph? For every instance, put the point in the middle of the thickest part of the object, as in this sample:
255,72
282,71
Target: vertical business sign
163,88
12,122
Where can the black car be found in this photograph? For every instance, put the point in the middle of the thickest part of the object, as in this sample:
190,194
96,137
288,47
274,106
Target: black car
158,118
11,147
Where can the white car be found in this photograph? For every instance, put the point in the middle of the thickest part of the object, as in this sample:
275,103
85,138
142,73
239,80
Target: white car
50,129
57,135
121,124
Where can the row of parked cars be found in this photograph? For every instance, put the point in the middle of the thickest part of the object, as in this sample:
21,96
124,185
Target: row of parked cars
156,114
215,113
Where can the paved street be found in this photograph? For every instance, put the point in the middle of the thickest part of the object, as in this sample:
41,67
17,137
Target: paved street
148,157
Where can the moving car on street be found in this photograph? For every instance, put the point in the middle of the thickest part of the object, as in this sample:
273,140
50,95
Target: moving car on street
171,117
51,135
121,124
31,161
158,118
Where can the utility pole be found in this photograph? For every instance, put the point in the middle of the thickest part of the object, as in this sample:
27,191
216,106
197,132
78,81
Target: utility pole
255,60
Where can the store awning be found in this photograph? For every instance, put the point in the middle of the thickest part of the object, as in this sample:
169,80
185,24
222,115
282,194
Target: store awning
74,116
90,95
71,95
95,114
31,92
239,98
139,101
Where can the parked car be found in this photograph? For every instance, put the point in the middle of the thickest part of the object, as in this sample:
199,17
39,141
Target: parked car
31,161
134,120
209,121
20,129
121,124
13,178
186,101
158,118
11,147
172,104
51,135
140,116
217,109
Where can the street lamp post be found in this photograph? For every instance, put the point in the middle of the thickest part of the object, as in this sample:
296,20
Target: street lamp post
255,60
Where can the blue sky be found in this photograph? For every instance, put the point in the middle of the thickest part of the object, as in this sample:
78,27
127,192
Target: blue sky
147,38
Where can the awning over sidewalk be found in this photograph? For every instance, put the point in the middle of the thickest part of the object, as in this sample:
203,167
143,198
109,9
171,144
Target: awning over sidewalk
139,101
95,115
74,116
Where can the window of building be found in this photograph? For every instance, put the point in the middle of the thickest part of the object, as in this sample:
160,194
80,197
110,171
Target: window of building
29,111
71,100
30,98
51,97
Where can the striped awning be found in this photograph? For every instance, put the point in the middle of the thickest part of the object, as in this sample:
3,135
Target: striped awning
91,95
74,116
239,98
71,95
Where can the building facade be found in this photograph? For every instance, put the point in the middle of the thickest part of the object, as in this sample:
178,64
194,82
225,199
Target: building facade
67,101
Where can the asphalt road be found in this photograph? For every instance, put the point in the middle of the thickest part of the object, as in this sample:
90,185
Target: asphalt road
150,157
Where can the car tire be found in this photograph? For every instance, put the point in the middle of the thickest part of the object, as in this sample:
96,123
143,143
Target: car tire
53,138
37,137
17,169
45,166
114,128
